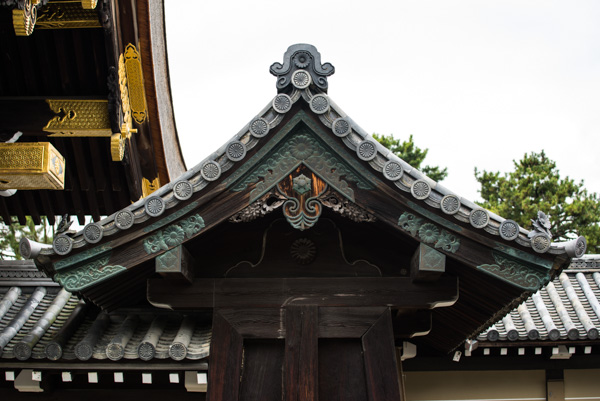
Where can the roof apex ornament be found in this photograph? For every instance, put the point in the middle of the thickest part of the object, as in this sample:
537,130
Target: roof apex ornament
541,225
302,57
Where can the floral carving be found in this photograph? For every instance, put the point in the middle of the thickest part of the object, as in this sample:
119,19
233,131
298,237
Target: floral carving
303,251
174,234
301,184
429,232
301,148
392,170
343,206
259,127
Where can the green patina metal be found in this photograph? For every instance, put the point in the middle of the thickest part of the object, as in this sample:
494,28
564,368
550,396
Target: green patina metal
80,257
516,273
87,275
546,264
429,233
300,142
174,234
171,218
440,220
167,260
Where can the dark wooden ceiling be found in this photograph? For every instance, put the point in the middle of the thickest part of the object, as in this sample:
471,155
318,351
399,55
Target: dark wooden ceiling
53,64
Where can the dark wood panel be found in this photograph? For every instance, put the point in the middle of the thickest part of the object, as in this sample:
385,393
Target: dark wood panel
341,370
225,361
334,322
383,382
301,353
262,375
399,292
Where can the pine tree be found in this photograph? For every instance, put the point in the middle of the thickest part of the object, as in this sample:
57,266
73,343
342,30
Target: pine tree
535,184
413,155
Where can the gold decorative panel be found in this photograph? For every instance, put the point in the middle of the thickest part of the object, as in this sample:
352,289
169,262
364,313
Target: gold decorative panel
79,118
33,165
67,15
135,84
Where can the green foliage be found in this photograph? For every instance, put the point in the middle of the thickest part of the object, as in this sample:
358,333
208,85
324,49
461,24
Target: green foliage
410,153
534,185
11,234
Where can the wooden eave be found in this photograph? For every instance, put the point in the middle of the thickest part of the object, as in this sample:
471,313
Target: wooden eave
494,274
77,64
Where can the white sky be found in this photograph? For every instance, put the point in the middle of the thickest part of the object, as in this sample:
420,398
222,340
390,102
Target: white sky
479,83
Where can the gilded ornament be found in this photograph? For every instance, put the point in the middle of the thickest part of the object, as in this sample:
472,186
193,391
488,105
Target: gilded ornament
31,165
148,187
24,19
68,15
79,118
135,83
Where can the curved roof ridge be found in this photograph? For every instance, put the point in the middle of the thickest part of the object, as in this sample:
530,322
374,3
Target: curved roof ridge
382,160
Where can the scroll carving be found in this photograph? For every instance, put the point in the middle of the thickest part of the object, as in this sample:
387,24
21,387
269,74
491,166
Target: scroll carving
306,58
513,272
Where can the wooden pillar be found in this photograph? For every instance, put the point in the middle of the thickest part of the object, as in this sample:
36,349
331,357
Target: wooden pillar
383,382
301,353
225,361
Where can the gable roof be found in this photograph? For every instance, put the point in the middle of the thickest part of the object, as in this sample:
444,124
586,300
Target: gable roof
303,127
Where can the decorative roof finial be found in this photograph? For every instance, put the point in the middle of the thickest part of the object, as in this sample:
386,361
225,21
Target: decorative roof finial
541,225
302,57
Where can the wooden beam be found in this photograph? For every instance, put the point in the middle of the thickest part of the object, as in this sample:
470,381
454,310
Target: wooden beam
270,323
301,353
395,292
177,263
225,361
380,361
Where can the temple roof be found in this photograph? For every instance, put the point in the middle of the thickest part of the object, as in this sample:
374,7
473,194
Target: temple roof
303,142
566,310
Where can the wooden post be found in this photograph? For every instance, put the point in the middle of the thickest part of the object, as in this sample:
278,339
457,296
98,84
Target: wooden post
225,361
380,361
301,353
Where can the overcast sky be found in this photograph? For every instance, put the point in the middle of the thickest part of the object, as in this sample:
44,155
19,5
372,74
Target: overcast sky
479,83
